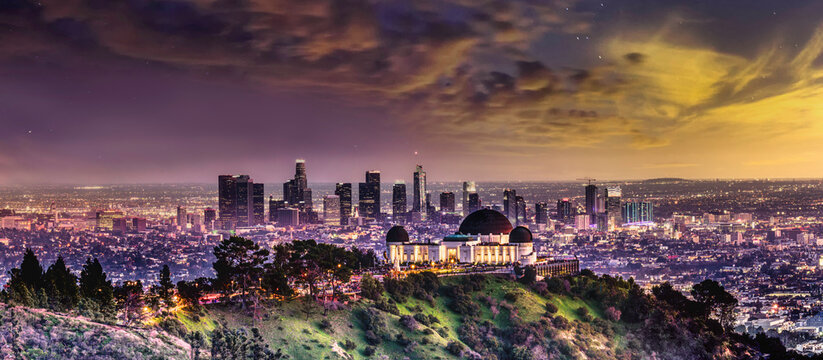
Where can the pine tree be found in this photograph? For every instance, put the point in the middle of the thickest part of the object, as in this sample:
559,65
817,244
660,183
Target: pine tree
166,287
61,286
30,271
95,287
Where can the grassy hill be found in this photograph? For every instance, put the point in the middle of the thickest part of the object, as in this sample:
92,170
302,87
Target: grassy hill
511,322
38,334
473,317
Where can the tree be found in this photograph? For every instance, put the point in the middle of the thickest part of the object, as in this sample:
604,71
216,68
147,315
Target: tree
239,265
165,287
371,288
191,291
31,273
61,286
716,299
96,288
130,298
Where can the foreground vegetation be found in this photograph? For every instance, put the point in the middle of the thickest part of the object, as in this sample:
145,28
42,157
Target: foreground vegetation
270,308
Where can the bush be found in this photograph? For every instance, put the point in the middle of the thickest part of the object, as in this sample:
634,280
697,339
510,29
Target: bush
613,314
370,287
369,351
325,324
551,308
409,322
560,322
455,348
349,345
421,318
512,296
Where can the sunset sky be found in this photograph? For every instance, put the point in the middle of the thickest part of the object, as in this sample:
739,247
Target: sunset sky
129,91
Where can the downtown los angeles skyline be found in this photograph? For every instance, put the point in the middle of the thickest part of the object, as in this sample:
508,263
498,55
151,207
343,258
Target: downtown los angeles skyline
178,91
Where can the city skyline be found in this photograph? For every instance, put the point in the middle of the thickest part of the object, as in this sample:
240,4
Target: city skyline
562,89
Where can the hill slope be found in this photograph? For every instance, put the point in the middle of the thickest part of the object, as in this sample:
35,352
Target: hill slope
483,317
38,334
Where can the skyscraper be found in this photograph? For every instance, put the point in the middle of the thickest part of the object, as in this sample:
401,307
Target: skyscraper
520,211
296,191
275,205
564,211
331,210
370,196
258,204
419,203
509,204
209,215
181,218
399,201
474,202
447,202
235,201
541,213
343,190
591,199
468,188
613,194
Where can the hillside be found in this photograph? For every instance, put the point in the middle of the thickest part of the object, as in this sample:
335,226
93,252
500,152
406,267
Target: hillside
38,334
484,317
419,317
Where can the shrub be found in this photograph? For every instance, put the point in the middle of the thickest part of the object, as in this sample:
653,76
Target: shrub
325,324
551,308
455,348
409,322
560,323
613,314
370,287
369,350
422,318
512,296
349,345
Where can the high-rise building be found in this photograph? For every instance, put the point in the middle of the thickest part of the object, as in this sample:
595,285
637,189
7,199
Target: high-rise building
287,217
209,216
182,219
343,190
447,202
613,210
591,199
275,205
331,210
468,188
235,202
419,203
541,213
139,224
296,192
509,204
399,202
474,202
638,212
258,204
370,196
520,211
564,211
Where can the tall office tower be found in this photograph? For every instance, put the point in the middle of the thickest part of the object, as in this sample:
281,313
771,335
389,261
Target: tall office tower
612,195
468,188
474,202
331,210
419,204
235,200
343,190
564,211
591,199
296,191
275,205
520,211
258,205
182,219
398,201
370,196
447,202
638,212
541,213
431,210
509,204
209,215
